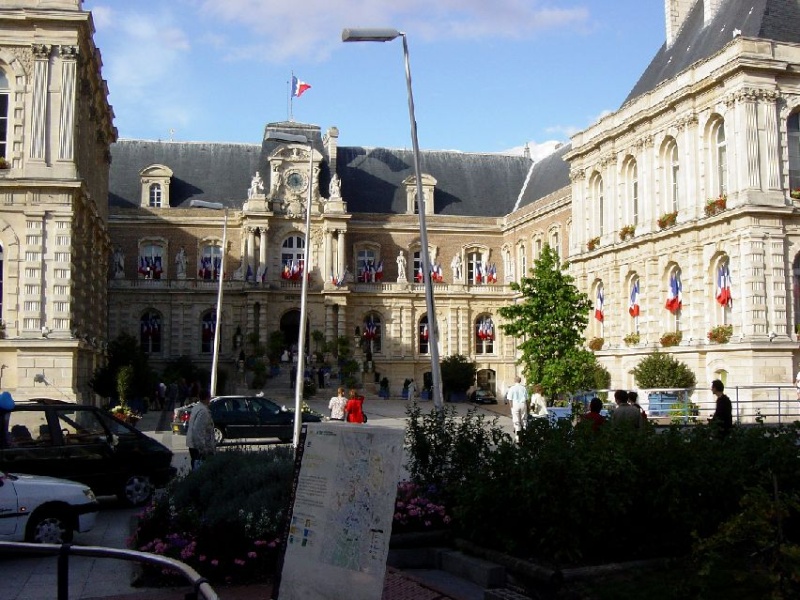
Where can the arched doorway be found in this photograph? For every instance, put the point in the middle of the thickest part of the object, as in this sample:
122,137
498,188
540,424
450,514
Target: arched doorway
487,380
290,327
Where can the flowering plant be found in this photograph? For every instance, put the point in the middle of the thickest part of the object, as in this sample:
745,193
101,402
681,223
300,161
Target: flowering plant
715,205
632,339
596,343
671,338
627,232
795,193
4,163
415,509
124,413
667,219
593,243
721,334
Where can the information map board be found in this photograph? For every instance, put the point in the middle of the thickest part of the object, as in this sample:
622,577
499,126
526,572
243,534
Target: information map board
341,521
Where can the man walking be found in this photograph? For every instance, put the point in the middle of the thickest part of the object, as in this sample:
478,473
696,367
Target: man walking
200,432
722,418
518,396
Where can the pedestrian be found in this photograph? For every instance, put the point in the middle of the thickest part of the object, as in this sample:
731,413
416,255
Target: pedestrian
337,404
593,416
797,384
320,378
518,396
722,419
624,414
538,403
633,400
354,409
200,432
412,389
292,376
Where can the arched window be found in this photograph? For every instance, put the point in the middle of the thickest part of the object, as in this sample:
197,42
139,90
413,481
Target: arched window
293,257
674,301
423,334
631,179
5,95
596,191
484,335
522,260
151,265
671,170
599,309
719,159
366,265
208,324
634,303
475,274
555,242
210,261
721,291
793,127
155,195
150,332
372,333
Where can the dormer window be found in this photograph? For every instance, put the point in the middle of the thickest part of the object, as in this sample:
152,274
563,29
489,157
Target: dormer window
428,187
155,181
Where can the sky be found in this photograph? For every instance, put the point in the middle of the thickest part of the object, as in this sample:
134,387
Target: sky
487,76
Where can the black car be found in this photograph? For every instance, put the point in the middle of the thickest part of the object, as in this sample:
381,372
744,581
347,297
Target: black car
246,417
85,444
483,397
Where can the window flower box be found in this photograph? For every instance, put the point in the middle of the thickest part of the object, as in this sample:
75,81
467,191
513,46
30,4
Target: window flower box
596,344
716,205
671,338
720,334
593,243
627,232
795,193
632,339
4,164
667,219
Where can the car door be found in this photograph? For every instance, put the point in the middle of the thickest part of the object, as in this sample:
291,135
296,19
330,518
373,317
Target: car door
273,421
87,451
9,508
234,416
28,443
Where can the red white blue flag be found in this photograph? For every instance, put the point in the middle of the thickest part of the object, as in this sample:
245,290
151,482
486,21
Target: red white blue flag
598,305
674,295
633,305
724,286
299,87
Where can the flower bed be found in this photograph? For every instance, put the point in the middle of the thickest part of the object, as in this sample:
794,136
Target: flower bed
668,219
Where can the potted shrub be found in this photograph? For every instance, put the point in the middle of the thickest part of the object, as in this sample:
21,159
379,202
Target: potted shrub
715,205
795,193
661,370
667,219
671,338
632,339
593,243
4,164
721,334
627,232
596,343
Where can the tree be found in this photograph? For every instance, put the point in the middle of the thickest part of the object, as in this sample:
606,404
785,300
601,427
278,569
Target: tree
548,322
123,351
457,374
661,370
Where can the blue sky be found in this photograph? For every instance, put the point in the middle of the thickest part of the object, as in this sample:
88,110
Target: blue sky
488,76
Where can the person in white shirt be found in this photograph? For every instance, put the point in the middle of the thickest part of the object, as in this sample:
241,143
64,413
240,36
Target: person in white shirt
538,403
517,395
200,432
797,384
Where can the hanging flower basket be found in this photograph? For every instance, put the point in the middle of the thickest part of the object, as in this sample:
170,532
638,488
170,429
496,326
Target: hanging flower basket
596,344
627,232
716,205
720,334
668,219
671,338
593,243
795,193
4,163
632,339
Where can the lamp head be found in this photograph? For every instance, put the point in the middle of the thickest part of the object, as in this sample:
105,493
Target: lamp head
370,34
206,204
291,138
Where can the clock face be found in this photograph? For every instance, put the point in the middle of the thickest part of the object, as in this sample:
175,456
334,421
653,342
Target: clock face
295,181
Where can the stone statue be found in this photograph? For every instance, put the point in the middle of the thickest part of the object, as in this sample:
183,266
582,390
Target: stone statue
455,264
401,267
335,188
180,264
119,263
256,186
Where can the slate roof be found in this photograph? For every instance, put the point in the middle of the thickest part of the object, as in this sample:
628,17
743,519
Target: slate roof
549,175
777,20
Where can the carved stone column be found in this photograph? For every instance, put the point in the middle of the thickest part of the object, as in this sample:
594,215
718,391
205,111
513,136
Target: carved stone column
66,121
340,251
262,251
250,257
327,254
41,72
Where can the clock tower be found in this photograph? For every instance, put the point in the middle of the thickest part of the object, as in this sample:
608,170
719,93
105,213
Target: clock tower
293,167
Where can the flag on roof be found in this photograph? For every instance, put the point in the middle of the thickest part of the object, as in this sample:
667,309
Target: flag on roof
633,305
674,295
598,305
724,286
299,87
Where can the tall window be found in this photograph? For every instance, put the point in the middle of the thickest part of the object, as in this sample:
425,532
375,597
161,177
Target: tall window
150,332
418,274
671,176
631,178
423,334
720,158
207,327
293,255
150,261
155,195
484,335
4,105
523,261
596,184
475,267
371,332
366,264
793,127
722,293
555,243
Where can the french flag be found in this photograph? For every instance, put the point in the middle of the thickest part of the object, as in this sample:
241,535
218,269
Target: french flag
379,271
299,87
598,305
674,295
724,286
633,306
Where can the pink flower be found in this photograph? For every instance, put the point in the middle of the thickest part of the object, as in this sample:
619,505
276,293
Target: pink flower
214,562
259,543
252,555
239,562
202,558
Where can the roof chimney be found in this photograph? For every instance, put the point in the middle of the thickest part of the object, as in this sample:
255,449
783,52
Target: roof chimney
710,9
676,12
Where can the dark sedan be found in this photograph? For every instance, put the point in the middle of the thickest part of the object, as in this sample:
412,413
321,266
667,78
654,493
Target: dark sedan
246,417
483,397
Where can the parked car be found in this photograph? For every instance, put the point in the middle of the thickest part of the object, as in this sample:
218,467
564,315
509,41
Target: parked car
483,397
44,509
85,444
246,417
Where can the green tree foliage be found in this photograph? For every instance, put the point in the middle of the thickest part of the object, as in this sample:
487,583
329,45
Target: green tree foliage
548,323
661,370
124,350
458,373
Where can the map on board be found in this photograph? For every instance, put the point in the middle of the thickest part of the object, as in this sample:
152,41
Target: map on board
342,515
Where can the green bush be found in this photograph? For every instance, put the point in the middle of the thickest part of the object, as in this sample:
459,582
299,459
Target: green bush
224,519
660,370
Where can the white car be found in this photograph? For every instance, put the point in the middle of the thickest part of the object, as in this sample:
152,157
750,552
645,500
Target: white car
44,510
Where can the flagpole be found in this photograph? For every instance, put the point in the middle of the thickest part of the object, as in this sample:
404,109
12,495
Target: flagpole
291,107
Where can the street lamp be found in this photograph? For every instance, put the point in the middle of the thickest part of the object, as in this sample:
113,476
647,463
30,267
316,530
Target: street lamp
387,35
215,358
279,136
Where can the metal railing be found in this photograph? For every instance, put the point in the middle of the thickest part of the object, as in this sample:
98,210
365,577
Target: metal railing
200,585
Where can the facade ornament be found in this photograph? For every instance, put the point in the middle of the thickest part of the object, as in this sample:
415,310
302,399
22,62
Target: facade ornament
335,189
577,175
256,186
68,51
401,267
41,51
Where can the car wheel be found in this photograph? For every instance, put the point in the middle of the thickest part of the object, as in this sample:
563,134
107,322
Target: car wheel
219,435
49,527
136,490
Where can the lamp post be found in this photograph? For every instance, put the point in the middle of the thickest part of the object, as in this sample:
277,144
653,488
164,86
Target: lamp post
387,35
215,358
278,136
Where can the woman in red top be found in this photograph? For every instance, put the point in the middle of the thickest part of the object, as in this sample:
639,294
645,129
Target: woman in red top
354,409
